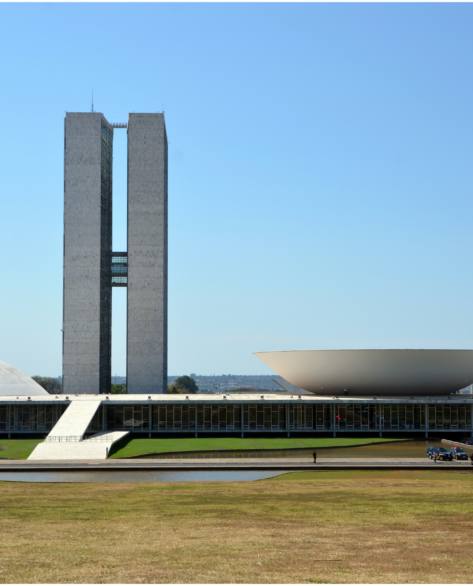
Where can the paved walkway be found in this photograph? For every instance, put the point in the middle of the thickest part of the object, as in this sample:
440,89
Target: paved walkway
236,464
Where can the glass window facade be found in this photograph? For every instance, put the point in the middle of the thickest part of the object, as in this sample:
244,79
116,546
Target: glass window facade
39,418
119,269
449,417
127,417
280,417
258,416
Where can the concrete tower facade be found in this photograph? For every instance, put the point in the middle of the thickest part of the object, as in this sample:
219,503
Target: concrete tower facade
91,268
147,254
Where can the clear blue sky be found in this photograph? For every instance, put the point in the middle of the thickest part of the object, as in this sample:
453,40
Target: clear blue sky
320,172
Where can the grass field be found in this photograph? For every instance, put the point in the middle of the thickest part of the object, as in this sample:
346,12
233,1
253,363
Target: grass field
17,449
140,447
367,526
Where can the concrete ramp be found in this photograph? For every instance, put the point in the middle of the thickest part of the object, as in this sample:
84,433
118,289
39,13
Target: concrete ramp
101,443
66,439
74,422
96,447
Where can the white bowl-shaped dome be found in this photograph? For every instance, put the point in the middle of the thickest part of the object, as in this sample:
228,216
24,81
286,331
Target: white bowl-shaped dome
14,382
374,372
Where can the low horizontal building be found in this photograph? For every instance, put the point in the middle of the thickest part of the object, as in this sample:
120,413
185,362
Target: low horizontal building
239,414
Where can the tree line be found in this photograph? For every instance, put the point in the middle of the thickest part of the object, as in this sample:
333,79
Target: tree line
183,385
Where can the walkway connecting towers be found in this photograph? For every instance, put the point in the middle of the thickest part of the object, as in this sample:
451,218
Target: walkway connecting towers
92,268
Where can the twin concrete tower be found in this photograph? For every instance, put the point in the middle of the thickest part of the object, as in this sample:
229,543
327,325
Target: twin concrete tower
91,268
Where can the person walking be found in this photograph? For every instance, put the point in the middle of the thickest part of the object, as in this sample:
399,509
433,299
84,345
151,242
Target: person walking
315,457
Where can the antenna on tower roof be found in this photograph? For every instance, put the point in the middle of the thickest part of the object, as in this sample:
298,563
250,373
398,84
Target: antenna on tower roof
92,104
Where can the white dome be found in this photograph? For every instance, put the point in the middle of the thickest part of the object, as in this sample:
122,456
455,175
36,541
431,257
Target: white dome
14,382
374,372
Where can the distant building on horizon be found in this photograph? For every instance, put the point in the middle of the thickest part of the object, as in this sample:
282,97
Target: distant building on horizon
92,268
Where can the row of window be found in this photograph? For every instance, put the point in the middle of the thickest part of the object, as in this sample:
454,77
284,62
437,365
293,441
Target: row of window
256,417
30,418
275,417
117,280
119,269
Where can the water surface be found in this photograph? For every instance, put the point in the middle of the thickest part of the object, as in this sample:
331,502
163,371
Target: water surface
138,476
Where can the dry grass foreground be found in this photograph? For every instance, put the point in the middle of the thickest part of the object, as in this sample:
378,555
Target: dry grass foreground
340,526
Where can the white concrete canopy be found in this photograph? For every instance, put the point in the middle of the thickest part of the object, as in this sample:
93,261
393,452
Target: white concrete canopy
15,382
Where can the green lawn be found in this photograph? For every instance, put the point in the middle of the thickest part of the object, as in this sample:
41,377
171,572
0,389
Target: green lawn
17,449
20,449
141,447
